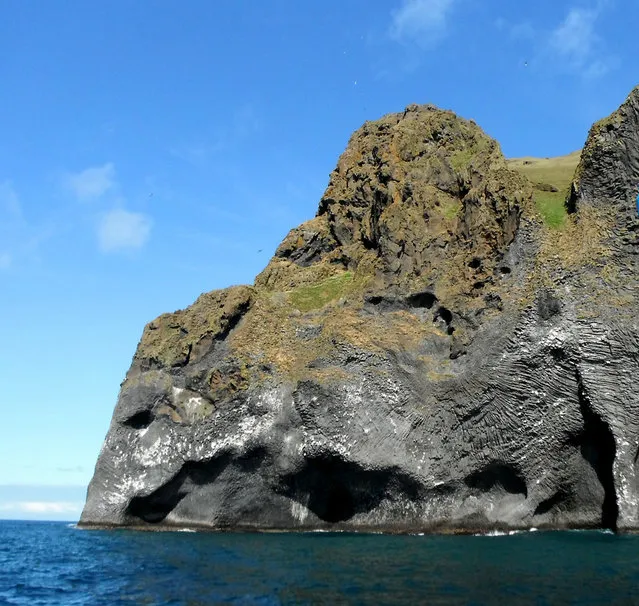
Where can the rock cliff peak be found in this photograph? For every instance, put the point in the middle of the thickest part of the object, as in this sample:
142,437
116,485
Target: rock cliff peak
440,348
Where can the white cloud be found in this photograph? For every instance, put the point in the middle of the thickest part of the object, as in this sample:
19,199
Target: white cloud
40,507
5,260
92,183
573,39
576,45
117,229
421,21
123,230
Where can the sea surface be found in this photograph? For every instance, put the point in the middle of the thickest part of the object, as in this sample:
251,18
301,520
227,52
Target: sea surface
55,563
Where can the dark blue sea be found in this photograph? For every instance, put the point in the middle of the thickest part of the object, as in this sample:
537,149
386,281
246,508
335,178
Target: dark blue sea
54,563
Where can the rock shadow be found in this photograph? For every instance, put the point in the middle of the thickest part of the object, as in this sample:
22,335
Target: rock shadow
336,490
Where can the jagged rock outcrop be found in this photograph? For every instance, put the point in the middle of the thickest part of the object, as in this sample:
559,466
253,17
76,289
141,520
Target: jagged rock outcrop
424,354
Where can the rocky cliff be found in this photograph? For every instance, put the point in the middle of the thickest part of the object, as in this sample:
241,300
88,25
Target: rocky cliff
425,354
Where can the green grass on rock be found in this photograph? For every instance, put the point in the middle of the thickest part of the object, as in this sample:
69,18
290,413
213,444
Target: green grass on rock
307,298
554,172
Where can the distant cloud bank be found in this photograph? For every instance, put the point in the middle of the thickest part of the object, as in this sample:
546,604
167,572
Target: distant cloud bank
41,507
26,502
40,510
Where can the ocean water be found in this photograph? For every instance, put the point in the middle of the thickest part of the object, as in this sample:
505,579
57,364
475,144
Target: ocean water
55,563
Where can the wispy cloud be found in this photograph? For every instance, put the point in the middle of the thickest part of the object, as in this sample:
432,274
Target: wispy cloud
74,469
42,507
571,46
9,201
246,121
14,232
421,21
92,183
197,154
575,44
243,123
520,31
573,39
121,230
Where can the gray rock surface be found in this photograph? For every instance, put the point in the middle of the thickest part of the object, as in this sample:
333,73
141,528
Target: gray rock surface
423,355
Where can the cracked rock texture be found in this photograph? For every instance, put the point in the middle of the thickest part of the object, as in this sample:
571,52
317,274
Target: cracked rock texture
423,355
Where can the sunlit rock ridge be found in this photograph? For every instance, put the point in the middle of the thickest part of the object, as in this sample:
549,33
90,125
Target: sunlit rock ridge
429,353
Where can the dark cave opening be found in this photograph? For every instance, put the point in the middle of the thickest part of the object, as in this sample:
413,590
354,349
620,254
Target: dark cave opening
335,490
445,314
553,502
326,484
139,420
338,504
497,475
154,508
420,300
597,445
558,354
598,448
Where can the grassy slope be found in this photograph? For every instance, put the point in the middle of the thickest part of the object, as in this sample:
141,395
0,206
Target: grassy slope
306,298
557,172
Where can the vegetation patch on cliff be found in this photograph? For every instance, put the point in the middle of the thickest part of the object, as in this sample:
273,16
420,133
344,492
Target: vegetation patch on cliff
551,179
306,298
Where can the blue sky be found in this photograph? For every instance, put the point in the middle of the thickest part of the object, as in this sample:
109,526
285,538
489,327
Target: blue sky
153,151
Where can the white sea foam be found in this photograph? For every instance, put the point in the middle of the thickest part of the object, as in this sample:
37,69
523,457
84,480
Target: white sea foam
491,533
499,533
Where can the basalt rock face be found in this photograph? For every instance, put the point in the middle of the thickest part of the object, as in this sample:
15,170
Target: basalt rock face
423,355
